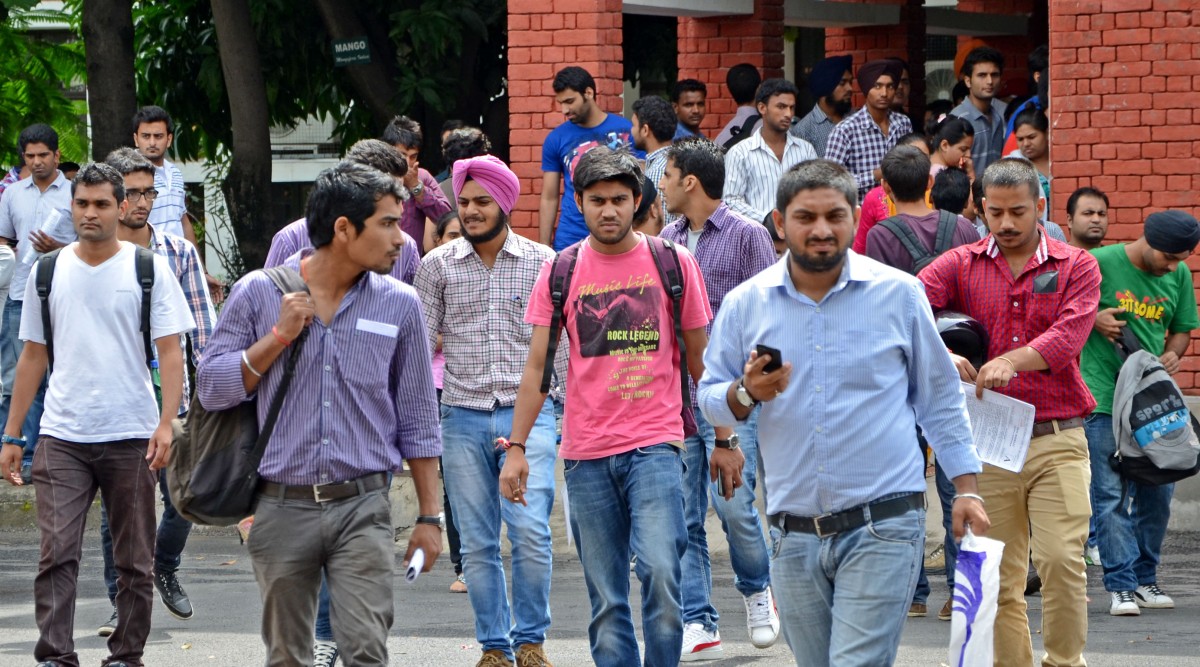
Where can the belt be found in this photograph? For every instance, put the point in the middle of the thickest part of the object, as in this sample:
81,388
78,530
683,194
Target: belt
832,524
323,493
1047,427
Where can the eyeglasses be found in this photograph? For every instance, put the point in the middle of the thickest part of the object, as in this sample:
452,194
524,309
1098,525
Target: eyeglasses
134,195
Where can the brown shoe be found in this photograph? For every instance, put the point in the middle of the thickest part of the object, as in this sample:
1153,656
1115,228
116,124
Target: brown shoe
917,609
531,655
947,610
494,658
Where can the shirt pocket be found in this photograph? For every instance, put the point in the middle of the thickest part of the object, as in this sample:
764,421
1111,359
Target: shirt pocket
365,361
874,361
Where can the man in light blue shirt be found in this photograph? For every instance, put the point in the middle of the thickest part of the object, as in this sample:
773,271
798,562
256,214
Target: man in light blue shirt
840,447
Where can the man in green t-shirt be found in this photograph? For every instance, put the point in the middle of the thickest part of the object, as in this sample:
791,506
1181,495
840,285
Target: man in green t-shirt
1145,287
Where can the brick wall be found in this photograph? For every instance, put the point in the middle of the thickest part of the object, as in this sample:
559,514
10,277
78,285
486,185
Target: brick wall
543,37
1125,113
1015,48
709,47
867,43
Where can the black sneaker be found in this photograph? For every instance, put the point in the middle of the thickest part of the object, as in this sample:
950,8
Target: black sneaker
120,663
109,626
172,595
325,653
27,474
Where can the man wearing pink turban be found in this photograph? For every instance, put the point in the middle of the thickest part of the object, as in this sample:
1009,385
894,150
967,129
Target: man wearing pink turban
474,290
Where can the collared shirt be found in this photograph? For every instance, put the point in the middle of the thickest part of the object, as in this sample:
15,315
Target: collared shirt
189,271
859,144
432,204
24,209
989,133
656,166
1052,316
815,128
167,213
362,399
682,132
752,173
294,237
844,431
480,314
739,119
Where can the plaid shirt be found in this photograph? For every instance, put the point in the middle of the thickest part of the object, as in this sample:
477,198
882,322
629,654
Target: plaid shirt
480,314
656,166
185,264
975,280
859,144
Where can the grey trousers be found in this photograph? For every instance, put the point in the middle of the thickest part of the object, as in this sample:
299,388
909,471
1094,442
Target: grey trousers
352,541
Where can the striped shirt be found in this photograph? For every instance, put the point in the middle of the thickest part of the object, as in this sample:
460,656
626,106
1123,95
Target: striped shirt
167,213
814,128
752,173
656,166
189,271
989,133
859,145
1052,316
294,237
362,399
843,433
480,314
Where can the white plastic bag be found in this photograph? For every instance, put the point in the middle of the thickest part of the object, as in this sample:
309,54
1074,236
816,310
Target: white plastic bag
976,591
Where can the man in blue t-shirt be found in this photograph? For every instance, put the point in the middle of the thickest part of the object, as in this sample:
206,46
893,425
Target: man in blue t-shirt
587,127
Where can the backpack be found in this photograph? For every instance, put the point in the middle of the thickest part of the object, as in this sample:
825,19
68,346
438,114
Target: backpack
666,260
143,261
212,472
741,133
1154,430
921,257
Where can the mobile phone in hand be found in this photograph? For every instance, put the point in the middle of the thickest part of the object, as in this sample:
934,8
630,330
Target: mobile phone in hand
776,361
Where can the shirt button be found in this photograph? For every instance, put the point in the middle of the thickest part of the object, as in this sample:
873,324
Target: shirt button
1016,304
326,404
324,441
817,310
821,469
818,429
1015,339
818,348
328,368
818,389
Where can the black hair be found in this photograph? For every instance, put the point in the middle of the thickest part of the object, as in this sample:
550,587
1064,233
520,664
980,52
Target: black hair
772,87
604,164
958,93
1013,172
443,222
906,171
64,167
452,124
576,78
951,190
1032,116
938,108
347,189
649,199
814,175
403,131
699,157
688,86
1039,59
379,155
463,143
657,114
910,139
952,130
128,161
1085,191
153,114
98,173
38,133
976,195
742,80
981,54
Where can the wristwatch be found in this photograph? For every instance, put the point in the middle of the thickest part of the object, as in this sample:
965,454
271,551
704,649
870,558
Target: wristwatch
744,396
417,189
438,520
731,444
7,439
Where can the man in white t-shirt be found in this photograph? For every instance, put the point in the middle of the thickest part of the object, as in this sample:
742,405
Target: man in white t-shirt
101,427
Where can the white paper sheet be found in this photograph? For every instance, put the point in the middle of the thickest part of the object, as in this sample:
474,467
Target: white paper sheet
1001,426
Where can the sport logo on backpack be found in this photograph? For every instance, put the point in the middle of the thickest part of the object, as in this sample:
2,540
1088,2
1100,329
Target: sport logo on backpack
1154,430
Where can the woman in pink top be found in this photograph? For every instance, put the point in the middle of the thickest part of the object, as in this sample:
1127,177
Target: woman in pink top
950,142
876,206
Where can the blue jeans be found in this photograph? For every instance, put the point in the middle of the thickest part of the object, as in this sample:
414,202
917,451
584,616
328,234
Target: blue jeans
10,350
843,599
472,475
739,519
172,535
622,504
323,630
1129,537
945,491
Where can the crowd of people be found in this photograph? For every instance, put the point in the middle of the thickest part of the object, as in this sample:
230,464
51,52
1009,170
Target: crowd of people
697,312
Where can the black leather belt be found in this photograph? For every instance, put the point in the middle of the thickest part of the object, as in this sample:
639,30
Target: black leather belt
1047,427
323,493
856,517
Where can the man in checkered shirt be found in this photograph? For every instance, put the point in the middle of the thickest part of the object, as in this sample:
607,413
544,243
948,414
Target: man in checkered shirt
860,142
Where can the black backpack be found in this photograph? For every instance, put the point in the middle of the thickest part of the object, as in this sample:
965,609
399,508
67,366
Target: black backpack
741,133
921,256
143,262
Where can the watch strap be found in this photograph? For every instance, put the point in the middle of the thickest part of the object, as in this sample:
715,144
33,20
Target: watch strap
433,520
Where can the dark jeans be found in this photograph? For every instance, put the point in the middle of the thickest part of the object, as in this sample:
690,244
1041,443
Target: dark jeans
945,489
173,531
10,349
66,476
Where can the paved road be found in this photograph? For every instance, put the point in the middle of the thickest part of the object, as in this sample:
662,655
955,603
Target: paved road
434,627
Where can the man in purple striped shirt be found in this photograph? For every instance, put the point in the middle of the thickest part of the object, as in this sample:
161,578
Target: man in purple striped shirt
729,249
362,402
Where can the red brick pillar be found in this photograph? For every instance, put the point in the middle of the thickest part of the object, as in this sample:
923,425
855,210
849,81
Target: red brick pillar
543,37
1125,113
708,47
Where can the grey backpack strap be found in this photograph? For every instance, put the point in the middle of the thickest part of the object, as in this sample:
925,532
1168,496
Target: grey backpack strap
43,280
947,223
906,236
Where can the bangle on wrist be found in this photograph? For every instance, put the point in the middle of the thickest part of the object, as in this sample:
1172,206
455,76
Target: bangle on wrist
246,360
973,496
1010,363
282,341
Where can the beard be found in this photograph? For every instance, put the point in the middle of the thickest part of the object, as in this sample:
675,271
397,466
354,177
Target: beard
821,264
488,234
840,108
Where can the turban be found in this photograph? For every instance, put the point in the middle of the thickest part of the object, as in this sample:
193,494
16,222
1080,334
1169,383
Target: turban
827,74
1172,232
870,72
493,175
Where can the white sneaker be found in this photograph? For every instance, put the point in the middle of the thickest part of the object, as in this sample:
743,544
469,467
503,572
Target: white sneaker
762,620
1123,604
1152,597
700,644
325,653
1091,556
